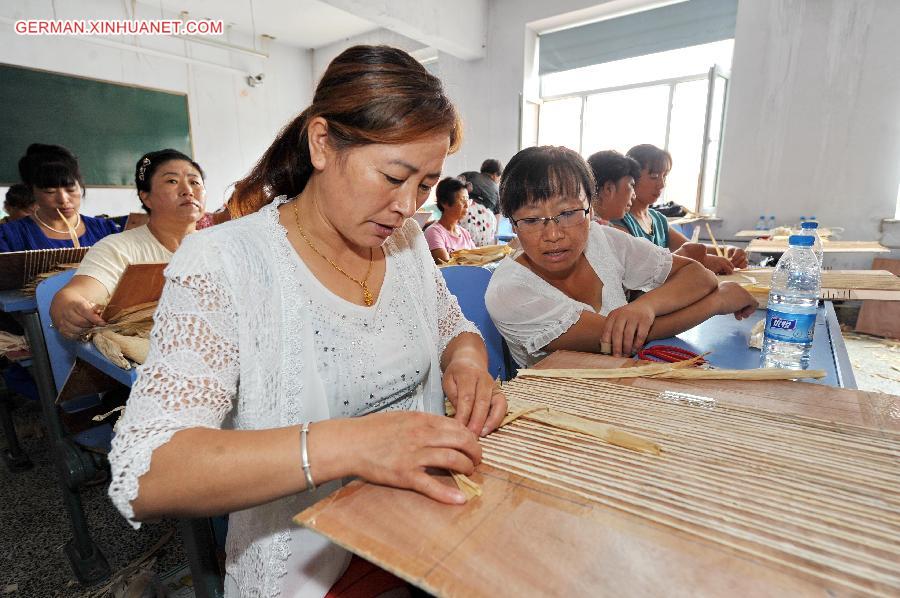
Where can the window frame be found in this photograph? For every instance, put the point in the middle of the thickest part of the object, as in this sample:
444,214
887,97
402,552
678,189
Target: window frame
710,76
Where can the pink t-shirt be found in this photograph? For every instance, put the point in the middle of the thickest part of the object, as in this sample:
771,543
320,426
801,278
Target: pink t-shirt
439,237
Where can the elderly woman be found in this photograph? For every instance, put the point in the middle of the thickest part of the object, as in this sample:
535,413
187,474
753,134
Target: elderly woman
644,222
313,339
52,174
565,287
170,187
446,235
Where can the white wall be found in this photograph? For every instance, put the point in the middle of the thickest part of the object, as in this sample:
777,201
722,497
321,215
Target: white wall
231,123
486,91
813,124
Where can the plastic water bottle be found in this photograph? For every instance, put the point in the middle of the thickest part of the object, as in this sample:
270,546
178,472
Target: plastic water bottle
761,225
771,223
791,312
811,228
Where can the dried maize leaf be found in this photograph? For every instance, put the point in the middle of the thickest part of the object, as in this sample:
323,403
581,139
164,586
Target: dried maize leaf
469,488
110,349
640,371
605,432
757,374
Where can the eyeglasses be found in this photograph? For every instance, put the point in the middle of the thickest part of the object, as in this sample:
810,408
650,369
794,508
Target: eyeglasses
563,219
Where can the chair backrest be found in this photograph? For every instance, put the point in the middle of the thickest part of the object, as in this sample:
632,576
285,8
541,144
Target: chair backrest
469,284
60,350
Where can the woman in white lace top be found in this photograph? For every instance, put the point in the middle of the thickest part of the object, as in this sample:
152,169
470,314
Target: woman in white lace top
565,288
322,305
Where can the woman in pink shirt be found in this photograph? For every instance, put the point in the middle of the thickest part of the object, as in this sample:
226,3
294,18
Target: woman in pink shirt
445,235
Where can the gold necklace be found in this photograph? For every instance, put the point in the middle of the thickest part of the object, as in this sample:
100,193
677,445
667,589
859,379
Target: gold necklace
57,231
368,298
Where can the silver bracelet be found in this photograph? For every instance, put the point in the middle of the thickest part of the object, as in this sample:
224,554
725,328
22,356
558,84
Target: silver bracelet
304,456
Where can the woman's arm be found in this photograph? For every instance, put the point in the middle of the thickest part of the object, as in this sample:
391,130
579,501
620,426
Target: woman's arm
202,472
440,255
587,334
75,307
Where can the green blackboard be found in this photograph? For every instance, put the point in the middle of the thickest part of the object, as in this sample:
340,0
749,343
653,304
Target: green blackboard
108,125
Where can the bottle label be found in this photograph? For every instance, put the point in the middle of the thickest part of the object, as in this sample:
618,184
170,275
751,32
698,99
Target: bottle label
790,328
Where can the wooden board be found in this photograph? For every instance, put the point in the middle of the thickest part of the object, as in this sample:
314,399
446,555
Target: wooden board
881,318
836,284
755,234
527,537
18,268
140,283
780,246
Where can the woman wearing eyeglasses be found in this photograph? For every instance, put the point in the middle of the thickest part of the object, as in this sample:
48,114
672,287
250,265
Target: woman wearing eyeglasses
565,287
642,221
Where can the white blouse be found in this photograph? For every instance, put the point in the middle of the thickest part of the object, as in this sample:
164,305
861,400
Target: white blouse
243,338
530,312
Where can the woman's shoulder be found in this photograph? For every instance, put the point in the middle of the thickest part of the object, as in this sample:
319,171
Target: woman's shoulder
100,224
19,235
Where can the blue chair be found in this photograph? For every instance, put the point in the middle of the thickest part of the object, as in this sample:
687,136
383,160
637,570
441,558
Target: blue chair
469,284
79,465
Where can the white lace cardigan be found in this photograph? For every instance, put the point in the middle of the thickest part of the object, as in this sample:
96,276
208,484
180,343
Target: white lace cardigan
231,347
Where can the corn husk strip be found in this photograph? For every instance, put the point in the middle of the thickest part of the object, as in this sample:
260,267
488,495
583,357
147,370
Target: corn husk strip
757,374
102,416
110,349
12,342
73,234
640,371
469,488
575,423
478,256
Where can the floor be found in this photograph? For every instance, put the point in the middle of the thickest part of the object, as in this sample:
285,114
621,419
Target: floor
34,526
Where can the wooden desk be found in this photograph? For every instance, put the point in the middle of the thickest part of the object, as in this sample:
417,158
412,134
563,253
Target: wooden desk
726,339
780,246
852,285
525,538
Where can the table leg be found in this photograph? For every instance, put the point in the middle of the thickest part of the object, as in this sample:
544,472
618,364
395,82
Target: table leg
87,561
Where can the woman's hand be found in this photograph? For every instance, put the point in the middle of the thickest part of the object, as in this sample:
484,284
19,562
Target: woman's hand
75,316
479,403
734,299
738,256
718,265
626,328
397,448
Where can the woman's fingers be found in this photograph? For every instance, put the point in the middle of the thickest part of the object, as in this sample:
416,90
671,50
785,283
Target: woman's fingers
483,391
499,408
429,486
628,336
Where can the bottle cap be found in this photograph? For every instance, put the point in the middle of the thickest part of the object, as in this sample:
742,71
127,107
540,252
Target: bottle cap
801,240
809,224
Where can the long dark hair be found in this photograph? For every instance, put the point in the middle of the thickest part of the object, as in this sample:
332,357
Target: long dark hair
368,94
49,166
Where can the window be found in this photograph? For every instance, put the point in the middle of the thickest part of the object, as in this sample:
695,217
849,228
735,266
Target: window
671,99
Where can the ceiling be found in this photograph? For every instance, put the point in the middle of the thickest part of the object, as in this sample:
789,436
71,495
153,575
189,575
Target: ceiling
300,23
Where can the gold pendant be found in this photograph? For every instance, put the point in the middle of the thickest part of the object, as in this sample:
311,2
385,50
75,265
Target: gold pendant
367,296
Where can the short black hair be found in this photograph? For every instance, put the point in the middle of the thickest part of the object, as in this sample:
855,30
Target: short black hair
537,174
19,196
446,191
654,159
491,166
47,166
611,166
149,162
